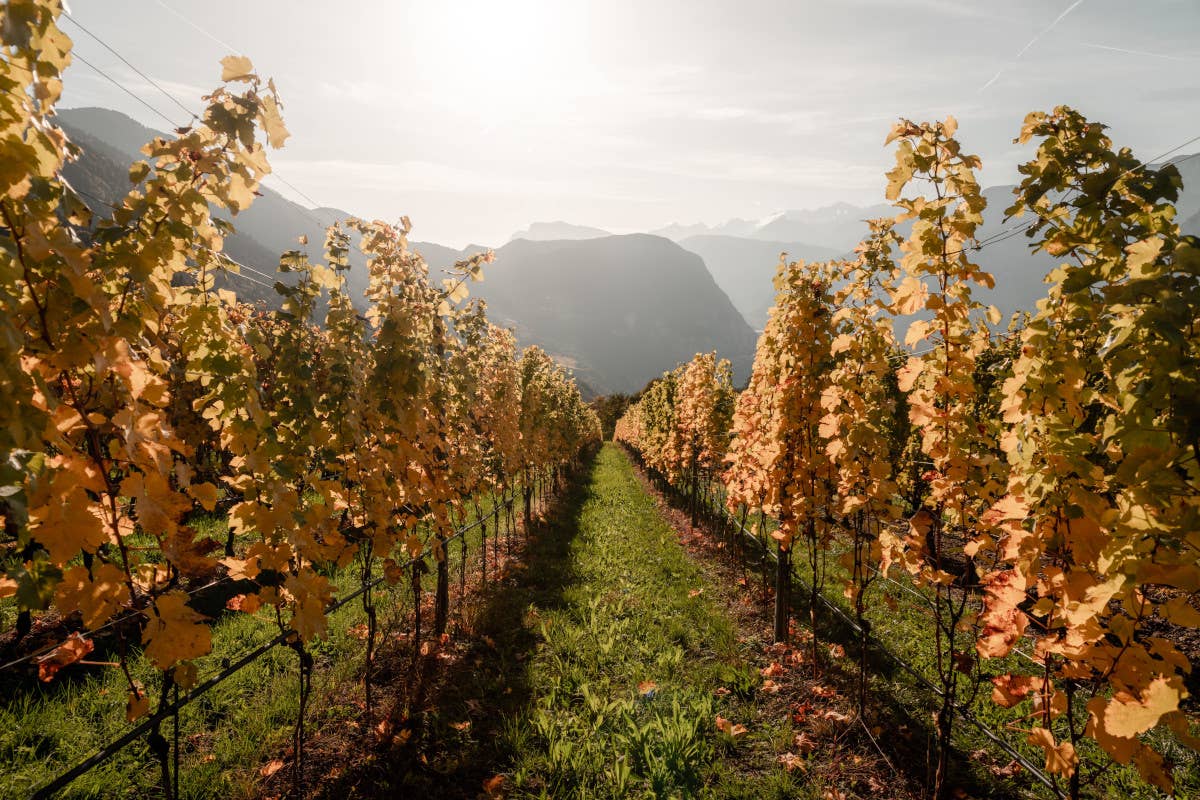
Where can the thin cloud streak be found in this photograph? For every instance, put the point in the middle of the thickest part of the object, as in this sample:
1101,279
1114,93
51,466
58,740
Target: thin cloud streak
1032,42
1145,53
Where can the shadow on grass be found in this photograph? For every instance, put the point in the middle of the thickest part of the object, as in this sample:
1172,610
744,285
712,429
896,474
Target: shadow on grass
431,752
895,701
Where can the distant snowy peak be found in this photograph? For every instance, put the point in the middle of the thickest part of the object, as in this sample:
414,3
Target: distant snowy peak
838,226
778,215
837,212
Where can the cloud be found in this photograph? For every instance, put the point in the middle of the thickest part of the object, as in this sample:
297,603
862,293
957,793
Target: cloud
188,94
1147,54
755,168
1031,43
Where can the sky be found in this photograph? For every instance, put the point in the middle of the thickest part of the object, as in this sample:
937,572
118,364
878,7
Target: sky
476,118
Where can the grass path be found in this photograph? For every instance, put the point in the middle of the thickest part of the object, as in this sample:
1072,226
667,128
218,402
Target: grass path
633,663
597,668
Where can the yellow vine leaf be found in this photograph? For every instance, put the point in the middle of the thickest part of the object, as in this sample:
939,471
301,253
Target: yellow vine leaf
138,704
311,593
205,494
67,524
175,632
1126,717
277,132
1142,254
97,596
1061,759
236,68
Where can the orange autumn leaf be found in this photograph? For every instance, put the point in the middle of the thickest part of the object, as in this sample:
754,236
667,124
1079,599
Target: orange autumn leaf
1008,690
729,728
74,649
791,761
773,670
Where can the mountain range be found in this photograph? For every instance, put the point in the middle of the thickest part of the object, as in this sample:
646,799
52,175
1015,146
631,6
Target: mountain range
617,309
742,254
835,227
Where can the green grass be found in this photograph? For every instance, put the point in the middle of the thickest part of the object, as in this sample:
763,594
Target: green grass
908,629
619,615
226,735
906,626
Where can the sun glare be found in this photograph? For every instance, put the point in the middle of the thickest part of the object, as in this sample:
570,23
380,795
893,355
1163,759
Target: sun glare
493,56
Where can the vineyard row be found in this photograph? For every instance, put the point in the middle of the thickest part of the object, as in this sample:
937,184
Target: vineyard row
1038,487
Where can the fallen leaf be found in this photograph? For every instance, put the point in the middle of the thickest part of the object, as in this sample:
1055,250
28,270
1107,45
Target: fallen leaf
729,729
773,671
73,649
791,761
271,767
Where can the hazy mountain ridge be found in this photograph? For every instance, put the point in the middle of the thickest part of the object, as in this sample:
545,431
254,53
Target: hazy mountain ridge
744,268
618,309
553,231
743,265
112,141
836,227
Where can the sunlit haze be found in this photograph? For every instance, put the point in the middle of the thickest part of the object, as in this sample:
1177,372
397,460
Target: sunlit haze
477,118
